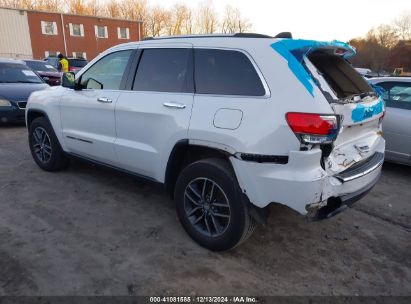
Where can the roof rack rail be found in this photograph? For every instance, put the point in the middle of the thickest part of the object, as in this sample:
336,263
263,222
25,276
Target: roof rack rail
148,38
251,35
284,35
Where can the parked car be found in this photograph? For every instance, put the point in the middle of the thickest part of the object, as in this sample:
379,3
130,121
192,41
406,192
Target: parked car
46,71
228,123
75,64
17,82
397,121
53,61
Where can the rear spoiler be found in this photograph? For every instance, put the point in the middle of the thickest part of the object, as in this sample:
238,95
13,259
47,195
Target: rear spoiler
294,51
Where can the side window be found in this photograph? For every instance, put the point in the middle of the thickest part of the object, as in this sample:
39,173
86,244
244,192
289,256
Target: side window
397,94
164,70
225,72
108,71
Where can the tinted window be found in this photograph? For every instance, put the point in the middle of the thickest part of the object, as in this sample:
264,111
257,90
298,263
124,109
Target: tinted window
225,72
397,94
17,73
109,70
41,66
77,63
163,70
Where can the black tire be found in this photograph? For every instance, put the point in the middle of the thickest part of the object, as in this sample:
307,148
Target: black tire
49,155
217,174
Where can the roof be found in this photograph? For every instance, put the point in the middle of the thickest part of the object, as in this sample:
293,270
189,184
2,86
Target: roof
381,79
33,60
11,60
68,14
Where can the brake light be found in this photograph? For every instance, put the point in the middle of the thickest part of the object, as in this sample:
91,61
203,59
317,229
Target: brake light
313,128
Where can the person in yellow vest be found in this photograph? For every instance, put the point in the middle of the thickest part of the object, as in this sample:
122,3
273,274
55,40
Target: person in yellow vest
63,63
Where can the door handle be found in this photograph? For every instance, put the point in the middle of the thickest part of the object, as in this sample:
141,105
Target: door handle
175,105
104,100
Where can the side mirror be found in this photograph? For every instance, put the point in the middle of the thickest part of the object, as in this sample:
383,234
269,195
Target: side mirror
68,80
45,78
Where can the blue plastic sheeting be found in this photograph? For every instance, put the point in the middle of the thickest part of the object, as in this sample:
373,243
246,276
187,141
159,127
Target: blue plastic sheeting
294,51
363,112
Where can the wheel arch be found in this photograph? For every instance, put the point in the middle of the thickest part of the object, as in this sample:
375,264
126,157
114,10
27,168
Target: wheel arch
32,114
184,153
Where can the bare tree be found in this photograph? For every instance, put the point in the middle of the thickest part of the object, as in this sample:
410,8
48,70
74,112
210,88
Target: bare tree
207,18
403,25
180,21
232,21
386,36
134,9
157,21
112,9
78,7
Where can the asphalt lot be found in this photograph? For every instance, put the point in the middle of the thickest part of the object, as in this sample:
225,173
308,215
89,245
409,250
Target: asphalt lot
92,231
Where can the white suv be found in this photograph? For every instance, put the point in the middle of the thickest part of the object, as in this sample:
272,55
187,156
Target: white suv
229,124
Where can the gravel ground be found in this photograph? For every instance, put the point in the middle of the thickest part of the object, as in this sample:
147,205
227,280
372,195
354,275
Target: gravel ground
91,231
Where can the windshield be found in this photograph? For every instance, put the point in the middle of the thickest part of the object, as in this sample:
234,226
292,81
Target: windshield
41,66
17,73
78,63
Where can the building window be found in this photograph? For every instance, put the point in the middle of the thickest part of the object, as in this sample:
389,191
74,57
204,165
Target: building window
76,30
81,55
49,27
123,33
101,31
51,53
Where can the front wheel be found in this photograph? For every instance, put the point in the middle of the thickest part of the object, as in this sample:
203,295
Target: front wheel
210,205
44,146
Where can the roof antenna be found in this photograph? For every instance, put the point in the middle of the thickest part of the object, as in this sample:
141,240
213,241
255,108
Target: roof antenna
284,35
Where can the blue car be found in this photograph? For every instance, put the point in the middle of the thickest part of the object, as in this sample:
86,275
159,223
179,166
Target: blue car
17,82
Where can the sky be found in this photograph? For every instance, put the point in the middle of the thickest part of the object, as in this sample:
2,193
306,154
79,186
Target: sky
311,19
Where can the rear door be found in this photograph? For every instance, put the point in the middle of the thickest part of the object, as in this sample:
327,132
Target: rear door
87,115
397,121
154,113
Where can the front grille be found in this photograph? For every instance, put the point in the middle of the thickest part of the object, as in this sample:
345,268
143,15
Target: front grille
22,104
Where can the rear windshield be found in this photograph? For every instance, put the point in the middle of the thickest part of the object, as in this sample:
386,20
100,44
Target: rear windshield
340,75
41,66
77,63
17,73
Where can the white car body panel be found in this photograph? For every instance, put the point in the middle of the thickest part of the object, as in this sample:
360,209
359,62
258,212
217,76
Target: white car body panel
136,132
147,130
88,126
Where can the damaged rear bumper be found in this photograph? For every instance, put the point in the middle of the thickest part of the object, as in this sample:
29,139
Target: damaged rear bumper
303,185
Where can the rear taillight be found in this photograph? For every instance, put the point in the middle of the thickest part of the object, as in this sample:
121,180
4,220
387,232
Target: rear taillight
313,128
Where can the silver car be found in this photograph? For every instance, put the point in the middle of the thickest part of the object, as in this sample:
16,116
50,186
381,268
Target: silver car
397,120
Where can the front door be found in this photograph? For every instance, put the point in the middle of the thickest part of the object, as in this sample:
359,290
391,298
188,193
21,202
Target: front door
87,115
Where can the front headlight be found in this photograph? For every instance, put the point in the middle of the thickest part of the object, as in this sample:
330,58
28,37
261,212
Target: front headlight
4,103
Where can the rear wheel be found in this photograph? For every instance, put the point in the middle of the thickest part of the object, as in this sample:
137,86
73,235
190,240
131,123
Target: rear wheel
44,146
210,205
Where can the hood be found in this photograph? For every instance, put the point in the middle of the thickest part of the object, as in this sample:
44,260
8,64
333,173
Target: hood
20,91
49,74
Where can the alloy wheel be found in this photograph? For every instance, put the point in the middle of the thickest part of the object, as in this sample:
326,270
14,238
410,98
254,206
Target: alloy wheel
42,145
207,207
